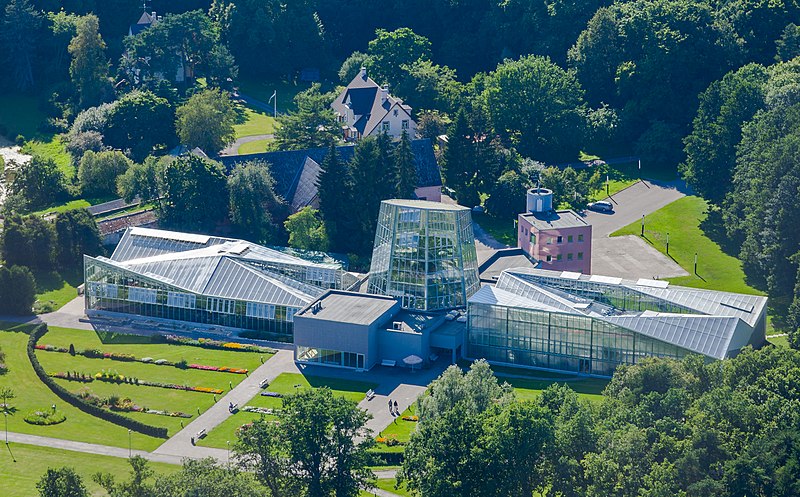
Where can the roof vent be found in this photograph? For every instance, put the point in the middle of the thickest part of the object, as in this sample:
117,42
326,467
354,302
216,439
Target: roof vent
316,308
539,200
397,325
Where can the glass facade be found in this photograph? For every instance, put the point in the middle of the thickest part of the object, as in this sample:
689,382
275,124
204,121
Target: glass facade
566,342
113,289
424,253
328,357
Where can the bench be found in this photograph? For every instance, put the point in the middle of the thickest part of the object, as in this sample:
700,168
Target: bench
433,357
264,383
370,394
388,362
201,433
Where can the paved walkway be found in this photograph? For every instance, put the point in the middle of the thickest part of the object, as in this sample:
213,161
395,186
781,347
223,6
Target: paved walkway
104,450
233,149
181,445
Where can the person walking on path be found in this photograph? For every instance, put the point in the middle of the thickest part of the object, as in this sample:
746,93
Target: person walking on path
396,409
390,407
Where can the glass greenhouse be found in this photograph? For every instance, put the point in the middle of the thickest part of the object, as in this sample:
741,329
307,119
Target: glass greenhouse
591,324
424,254
205,280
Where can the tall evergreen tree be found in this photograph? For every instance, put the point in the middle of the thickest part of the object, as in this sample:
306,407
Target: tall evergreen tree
460,161
333,186
405,169
368,174
18,26
89,67
386,188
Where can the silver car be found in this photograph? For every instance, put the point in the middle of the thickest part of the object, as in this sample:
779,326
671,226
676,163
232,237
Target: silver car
601,206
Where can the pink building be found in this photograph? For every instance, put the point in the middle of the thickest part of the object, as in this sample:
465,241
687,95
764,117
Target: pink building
561,240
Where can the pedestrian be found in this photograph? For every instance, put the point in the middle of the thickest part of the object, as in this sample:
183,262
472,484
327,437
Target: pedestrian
396,409
390,407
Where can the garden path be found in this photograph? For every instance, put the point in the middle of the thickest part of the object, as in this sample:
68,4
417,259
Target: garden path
233,148
181,445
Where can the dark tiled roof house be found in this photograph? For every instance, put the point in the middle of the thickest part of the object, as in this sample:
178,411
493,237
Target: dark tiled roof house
296,171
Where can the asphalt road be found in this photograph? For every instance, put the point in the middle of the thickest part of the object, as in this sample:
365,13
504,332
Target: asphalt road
631,203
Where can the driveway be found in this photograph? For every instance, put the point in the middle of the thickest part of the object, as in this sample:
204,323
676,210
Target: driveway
630,257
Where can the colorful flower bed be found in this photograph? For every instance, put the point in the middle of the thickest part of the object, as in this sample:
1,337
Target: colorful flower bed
389,441
125,405
259,410
411,418
114,356
114,377
209,343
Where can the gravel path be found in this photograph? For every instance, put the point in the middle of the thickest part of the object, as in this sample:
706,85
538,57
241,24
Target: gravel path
233,149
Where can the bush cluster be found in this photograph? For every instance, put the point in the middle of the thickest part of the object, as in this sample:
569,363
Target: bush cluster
66,396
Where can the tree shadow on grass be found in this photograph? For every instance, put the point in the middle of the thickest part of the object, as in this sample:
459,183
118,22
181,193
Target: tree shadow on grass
113,338
713,227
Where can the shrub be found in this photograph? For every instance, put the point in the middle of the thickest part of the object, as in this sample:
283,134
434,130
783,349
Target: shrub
71,349
45,417
182,364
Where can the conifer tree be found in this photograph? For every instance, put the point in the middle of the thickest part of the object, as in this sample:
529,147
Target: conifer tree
333,186
405,169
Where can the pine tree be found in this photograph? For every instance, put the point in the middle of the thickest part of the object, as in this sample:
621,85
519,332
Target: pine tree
333,186
386,188
368,175
405,169
460,160
18,32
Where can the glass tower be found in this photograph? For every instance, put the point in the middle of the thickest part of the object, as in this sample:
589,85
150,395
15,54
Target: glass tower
424,254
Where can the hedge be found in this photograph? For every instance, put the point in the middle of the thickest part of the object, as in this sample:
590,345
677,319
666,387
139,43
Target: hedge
377,458
68,397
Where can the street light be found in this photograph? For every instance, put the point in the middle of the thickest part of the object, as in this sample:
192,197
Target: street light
5,415
228,443
642,224
130,447
667,242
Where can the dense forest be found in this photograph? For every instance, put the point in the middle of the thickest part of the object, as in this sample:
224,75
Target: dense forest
701,89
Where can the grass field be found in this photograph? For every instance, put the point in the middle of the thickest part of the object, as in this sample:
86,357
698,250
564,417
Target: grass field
19,478
254,147
502,230
682,219
779,341
528,389
55,289
145,396
284,384
52,149
262,89
253,122
32,394
19,115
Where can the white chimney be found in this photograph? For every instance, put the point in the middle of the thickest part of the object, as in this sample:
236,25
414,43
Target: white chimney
384,94
363,73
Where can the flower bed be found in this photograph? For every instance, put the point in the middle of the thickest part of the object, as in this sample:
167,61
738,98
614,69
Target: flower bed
277,395
72,376
389,441
208,343
125,405
114,377
411,418
259,410
115,356
45,417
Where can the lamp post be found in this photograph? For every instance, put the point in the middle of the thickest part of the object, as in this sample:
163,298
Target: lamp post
228,443
130,447
608,194
642,224
5,415
667,242
695,263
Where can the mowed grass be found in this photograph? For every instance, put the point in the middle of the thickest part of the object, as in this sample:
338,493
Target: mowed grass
52,149
20,115
146,396
283,384
682,219
19,478
55,289
32,394
779,341
253,147
502,230
262,89
528,388
399,430
253,122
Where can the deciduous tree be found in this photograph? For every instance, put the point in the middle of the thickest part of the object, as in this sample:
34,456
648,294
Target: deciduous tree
206,121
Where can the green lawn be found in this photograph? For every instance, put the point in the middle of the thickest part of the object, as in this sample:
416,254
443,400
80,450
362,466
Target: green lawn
682,219
253,122
19,115
20,478
398,429
388,485
502,230
262,89
781,341
55,289
285,384
529,389
33,394
254,147
67,206
52,149
145,396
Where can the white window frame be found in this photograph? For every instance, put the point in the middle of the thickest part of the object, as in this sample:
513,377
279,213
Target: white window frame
181,300
386,126
222,306
259,310
404,124
143,295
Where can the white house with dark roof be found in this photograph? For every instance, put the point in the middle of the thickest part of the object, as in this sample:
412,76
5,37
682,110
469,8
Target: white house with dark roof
365,108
